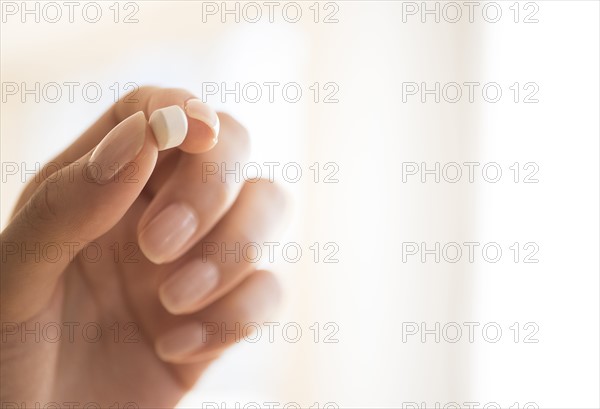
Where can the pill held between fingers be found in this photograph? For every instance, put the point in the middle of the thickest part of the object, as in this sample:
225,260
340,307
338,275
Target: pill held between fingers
169,126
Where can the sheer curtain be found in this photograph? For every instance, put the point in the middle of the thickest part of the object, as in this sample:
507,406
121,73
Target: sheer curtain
365,133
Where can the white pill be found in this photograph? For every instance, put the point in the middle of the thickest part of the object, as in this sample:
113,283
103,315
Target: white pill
169,126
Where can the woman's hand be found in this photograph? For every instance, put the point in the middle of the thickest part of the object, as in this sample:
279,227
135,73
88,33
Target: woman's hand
71,265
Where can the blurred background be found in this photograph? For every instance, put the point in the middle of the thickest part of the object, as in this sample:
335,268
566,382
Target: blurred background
384,121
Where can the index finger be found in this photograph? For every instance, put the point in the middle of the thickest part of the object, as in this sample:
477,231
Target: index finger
203,122
202,133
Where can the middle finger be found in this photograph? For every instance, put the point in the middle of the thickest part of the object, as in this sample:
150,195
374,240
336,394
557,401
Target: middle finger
195,196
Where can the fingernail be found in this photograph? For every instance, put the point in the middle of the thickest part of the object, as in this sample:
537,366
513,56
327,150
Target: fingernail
169,126
122,144
194,108
180,342
166,235
188,286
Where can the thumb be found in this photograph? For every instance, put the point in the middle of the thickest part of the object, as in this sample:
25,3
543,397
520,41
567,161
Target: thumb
72,207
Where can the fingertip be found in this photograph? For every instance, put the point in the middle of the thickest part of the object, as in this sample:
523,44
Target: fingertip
271,288
203,127
199,138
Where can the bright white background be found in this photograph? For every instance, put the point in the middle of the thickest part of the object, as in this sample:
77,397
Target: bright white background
369,53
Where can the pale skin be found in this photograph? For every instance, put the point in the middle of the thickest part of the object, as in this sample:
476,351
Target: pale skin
122,291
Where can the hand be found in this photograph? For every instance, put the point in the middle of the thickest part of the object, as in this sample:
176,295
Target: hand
70,265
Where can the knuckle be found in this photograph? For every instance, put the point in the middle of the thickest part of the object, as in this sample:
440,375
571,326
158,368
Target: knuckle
268,191
264,294
49,171
222,195
43,206
270,206
235,133
269,281
162,97
175,94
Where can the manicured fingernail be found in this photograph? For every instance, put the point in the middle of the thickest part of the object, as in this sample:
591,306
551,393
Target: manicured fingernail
122,144
180,342
166,235
169,126
188,286
194,108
